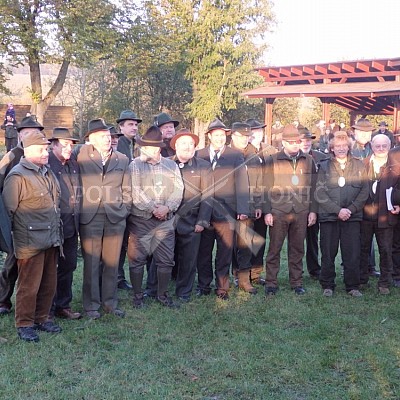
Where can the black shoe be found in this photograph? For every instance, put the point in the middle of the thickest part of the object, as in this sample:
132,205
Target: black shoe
167,302
396,283
299,290
149,294
202,292
117,312
138,300
28,334
270,291
124,285
93,314
4,310
374,273
223,296
184,299
258,281
48,326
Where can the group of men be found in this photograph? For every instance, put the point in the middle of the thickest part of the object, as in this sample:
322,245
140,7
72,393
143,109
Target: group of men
164,204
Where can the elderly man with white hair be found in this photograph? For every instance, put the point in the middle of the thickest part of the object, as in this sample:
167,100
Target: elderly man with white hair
377,219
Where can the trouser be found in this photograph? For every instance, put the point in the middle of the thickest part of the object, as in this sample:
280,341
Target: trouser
65,271
223,233
150,237
101,242
294,226
347,234
259,242
384,239
186,251
36,286
313,266
242,249
10,143
396,252
8,278
124,249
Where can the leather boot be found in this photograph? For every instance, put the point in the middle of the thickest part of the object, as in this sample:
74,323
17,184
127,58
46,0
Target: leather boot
136,276
162,291
255,276
244,282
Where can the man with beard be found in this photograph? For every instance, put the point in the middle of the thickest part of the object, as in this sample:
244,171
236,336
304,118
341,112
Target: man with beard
157,190
167,127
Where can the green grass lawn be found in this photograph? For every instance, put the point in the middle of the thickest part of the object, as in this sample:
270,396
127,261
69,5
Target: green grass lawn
287,347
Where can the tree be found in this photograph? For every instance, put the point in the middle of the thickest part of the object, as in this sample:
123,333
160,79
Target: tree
285,110
55,31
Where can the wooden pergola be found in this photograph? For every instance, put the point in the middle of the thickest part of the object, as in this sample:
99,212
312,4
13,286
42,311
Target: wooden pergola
362,87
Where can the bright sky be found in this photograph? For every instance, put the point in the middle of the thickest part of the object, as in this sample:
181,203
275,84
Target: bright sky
317,31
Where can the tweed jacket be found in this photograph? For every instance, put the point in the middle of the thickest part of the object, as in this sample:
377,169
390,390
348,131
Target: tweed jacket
32,201
105,189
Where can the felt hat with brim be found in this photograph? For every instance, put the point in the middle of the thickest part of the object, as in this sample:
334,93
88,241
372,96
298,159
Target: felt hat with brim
96,125
62,133
152,137
218,124
305,133
113,130
34,138
183,132
255,124
242,128
164,118
29,122
128,115
290,132
363,124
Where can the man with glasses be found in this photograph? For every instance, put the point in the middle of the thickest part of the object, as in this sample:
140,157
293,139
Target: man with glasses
290,177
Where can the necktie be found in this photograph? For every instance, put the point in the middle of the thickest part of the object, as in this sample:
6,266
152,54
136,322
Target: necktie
215,159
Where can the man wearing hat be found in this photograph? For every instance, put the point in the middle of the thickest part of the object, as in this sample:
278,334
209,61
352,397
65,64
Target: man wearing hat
383,129
157,190
231,203
313,266
362,136
290,177
32,198
128,123
243,249
9,273
167,126
264,151
66,170
194,213
115,136
105,205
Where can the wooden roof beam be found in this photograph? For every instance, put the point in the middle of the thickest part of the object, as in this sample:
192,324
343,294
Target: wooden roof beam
284,71
334,68
321,69
296,71
308,70
378,65
348,67
362,66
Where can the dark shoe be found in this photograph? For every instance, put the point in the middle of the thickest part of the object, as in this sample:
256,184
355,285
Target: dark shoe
202,292
4,310
184,299
28,334
117,312
67,313
124,285
374,273
270,291
137,301
327,293
167,302
383,290
396,283
223,296
299,290
354,293
93,314
48,326
149,294
258,281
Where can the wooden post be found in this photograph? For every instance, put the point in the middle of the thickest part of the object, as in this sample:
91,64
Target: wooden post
396,114
268,120
326,110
